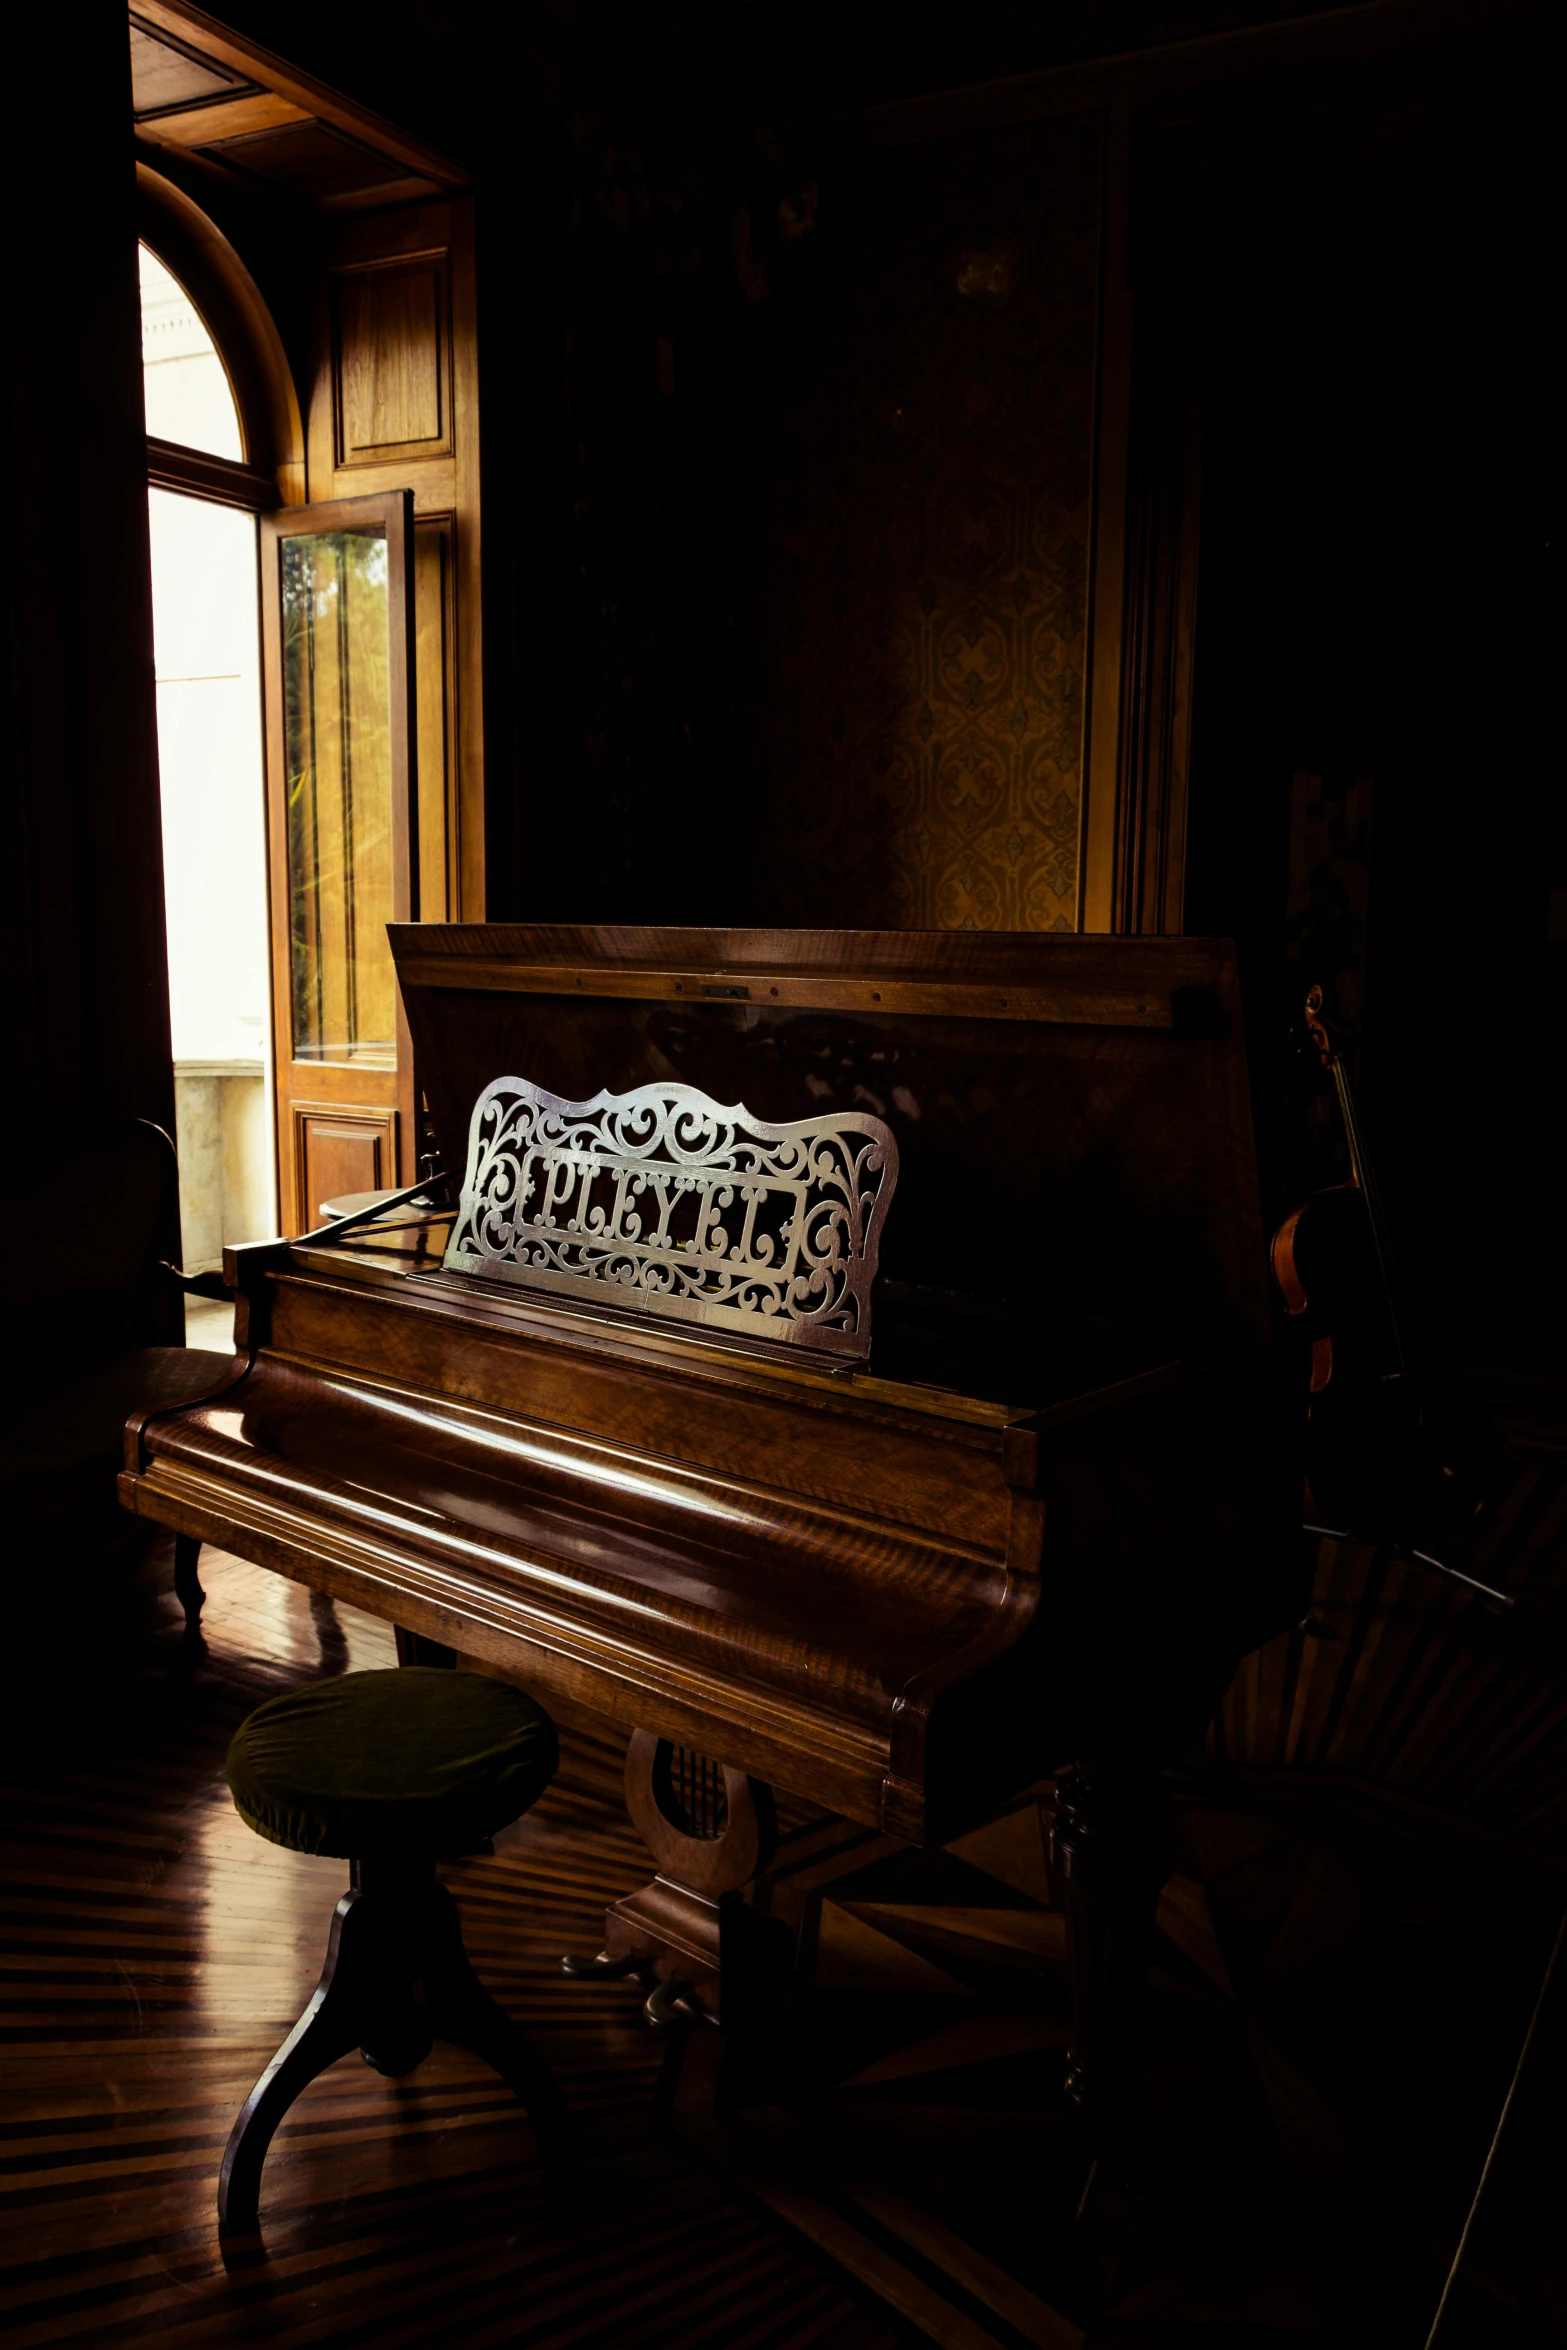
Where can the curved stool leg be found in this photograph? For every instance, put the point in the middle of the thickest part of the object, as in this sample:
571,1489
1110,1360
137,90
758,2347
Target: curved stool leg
463,2012
329,2027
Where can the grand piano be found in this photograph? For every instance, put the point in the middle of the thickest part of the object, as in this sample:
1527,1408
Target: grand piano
1016,1505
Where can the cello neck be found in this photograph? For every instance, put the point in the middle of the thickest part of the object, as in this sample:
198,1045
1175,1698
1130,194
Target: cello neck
1360,1168
1366,1183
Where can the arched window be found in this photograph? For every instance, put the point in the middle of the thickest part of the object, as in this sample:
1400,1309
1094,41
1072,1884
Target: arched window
199,298
189,398
202,529
352,598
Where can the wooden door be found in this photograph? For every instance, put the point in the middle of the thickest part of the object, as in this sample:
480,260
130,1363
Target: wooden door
337,609
394,405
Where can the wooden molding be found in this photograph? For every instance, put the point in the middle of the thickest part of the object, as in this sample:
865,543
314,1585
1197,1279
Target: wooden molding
843,992
241,326
1159,620
1107,577
217,479
311,97
223,118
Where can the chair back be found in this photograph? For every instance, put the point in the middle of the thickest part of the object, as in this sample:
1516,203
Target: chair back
91,1208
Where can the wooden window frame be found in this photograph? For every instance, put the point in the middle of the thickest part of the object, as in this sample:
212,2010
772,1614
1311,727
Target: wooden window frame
196,474
247,342
345,1088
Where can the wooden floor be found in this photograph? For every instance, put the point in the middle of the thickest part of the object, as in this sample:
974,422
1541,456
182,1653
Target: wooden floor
1411,1685
1337,2012
155,1952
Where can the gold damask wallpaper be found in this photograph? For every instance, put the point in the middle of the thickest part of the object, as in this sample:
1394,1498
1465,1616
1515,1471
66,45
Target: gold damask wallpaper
905,470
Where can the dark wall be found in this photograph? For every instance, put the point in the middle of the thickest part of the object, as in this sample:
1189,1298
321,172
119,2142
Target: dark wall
1378,795
829,443
81,919
818,643
899,556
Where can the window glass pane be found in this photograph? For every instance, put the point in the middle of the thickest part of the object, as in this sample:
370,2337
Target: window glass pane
209,764
186,390
337,749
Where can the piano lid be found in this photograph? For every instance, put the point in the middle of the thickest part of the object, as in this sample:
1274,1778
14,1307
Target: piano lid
1072,1114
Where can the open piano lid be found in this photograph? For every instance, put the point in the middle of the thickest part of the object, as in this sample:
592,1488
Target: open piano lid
1077,1168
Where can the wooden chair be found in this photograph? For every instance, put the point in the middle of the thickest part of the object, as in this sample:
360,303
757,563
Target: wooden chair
90,1323
389,1770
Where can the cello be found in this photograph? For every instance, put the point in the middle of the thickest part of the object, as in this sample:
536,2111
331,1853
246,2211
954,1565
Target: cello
1394,1453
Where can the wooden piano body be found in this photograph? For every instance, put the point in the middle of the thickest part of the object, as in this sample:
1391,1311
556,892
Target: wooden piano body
1038,1527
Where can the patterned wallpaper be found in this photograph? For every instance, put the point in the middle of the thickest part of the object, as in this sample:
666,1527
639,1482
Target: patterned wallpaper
905,469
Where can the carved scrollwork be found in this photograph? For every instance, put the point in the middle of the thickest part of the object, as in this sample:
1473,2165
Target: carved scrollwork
663,1200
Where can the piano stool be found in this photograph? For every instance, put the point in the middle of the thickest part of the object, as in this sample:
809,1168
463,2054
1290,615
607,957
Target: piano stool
390,1771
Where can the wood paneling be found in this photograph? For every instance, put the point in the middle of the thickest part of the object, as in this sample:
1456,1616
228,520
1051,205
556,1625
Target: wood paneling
394,404
309,161
400,159
233,118
338,1150
166,74
392,349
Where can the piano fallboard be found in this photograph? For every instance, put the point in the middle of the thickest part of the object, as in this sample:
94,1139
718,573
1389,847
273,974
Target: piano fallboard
600,1527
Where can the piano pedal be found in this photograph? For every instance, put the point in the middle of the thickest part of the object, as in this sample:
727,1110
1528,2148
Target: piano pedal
676,2002
602,1969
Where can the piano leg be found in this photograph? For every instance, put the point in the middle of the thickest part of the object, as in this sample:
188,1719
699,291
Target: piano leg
414,1649
187,1582
1111,1844
689,1939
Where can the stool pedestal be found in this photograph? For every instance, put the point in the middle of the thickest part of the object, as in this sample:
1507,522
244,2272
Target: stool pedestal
396,1980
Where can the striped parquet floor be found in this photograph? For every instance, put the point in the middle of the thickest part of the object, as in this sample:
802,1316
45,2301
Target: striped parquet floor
154,1954
1406,1683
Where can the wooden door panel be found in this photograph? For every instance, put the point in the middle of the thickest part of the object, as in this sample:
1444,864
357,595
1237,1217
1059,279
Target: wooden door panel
338,1149
395,405
392,359
338,671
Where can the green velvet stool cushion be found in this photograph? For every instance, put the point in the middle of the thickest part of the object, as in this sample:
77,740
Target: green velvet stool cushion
411,1761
